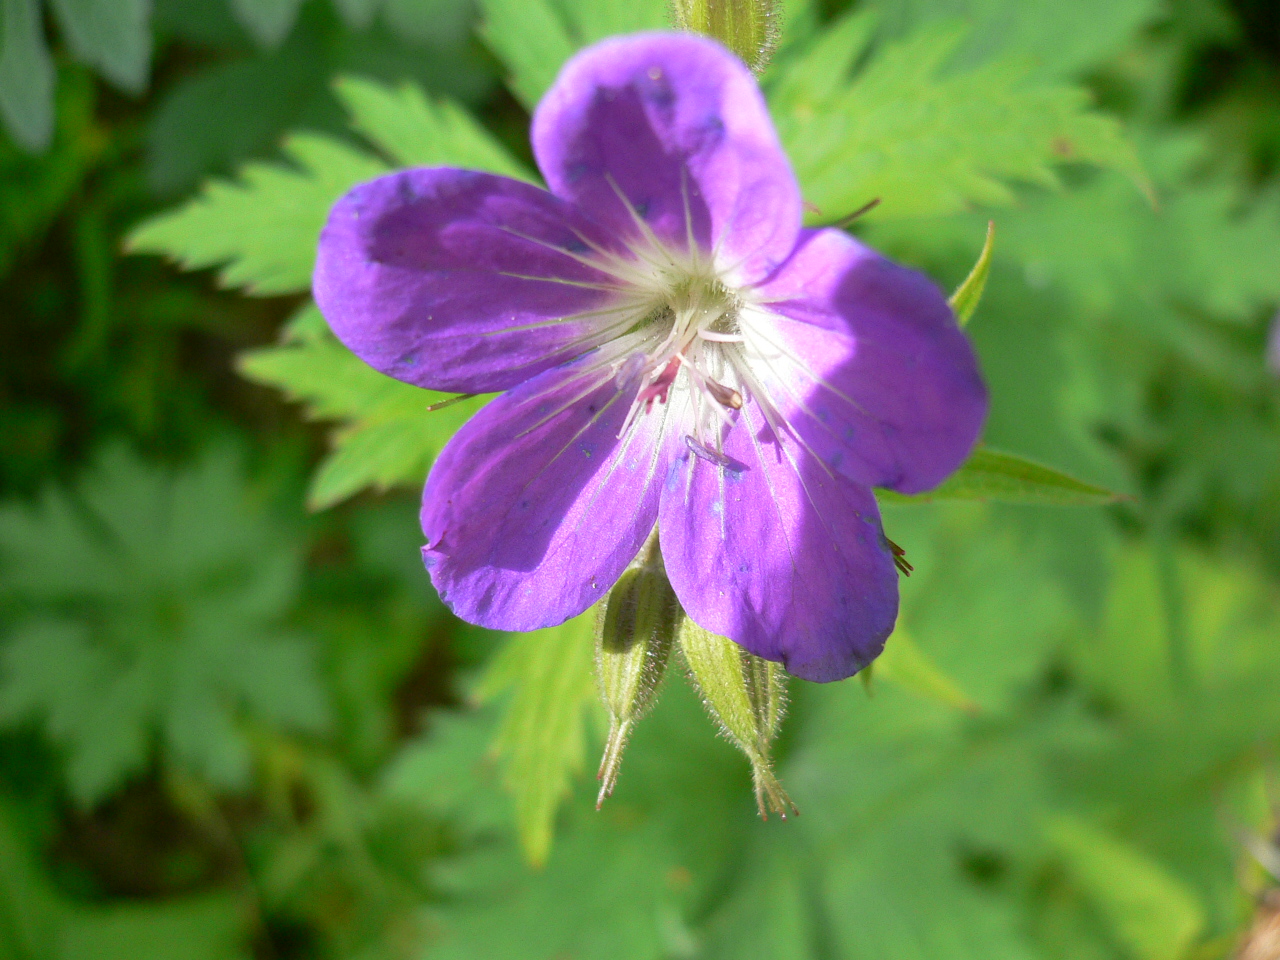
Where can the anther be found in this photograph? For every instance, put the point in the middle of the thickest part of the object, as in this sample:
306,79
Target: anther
900,558
441,404
704,452
725,396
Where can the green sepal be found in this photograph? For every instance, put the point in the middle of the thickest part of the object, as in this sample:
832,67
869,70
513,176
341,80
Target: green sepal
1007,478
746,695
967,296
749,28
635,629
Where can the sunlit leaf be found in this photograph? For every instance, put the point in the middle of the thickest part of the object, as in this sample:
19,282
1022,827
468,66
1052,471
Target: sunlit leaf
925,139
262,228
417,132
387,435
549,678
969,294
1007,478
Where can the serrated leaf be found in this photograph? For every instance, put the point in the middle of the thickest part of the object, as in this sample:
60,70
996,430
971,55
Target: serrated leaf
1007,478
533,38
268,21
387,436
1059,39
26,75
417,132
532,41
927,140
261,229
112,35
1152,913
549,678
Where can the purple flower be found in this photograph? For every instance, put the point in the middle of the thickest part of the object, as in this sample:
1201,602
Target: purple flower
675,349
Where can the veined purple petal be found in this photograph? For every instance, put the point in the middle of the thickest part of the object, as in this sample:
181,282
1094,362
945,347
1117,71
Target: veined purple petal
866,362
779,554
458,280
535,507
675,124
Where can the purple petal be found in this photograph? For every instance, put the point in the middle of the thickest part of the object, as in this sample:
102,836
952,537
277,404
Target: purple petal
677,125
868,365
534,508
457,280
778,554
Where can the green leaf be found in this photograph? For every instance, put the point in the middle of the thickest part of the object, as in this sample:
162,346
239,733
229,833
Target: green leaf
269,21
1058,39
1007,478
387,435
926,139
112,35
38,923
969,294
216,117
1152,913
908,666
417,132
532,41
541,740
26,76
533,38
263,229
357,14
151,610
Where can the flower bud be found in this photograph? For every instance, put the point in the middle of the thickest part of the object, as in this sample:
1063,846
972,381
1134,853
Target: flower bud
749,28
747,696
635,629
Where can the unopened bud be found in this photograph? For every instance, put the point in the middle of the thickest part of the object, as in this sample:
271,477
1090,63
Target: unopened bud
749,28
635,630
747,696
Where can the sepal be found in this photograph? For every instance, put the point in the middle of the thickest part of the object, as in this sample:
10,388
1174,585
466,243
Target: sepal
749,28
635,631
747,696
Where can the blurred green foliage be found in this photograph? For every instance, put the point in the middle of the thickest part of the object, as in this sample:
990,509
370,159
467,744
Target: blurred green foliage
229,728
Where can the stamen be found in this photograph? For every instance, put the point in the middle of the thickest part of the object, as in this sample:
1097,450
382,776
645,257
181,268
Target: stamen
704,452
725,396
720,337
899,558
441,404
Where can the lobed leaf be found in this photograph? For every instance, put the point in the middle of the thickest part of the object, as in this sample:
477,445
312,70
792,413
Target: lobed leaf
151,604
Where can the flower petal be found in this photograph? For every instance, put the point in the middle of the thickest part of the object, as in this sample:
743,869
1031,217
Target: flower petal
778,554
458,280
865,361
676,124
535,507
